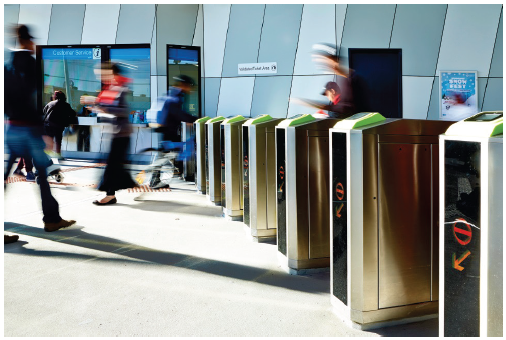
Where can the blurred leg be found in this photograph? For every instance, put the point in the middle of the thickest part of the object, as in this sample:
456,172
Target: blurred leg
49,204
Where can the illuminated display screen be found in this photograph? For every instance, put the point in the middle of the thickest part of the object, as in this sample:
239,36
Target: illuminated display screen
462,239
245,152
281,189
71,70
185,60
339,218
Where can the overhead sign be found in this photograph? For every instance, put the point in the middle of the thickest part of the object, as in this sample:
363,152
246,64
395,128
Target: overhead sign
71,53
258,68
458,95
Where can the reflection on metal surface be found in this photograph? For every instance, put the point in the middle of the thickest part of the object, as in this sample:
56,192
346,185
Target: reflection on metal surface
405,234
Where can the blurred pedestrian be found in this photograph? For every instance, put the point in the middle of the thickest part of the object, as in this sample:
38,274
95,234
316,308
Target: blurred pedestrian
58,114
28,165
171,116
24,133
352,98
111,103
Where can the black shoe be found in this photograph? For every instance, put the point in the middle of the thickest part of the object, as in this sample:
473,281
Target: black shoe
109,202
10,238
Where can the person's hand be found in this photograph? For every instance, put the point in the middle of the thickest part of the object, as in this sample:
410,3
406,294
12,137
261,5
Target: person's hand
87,100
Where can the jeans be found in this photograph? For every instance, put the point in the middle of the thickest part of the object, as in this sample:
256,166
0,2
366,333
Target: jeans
27,142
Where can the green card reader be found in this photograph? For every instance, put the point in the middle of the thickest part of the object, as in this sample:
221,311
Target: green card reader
297,120
359,120
483,124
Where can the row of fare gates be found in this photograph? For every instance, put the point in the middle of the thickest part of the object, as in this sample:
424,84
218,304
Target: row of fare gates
407,214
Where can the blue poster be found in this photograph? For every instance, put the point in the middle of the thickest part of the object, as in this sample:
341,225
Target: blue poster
458,95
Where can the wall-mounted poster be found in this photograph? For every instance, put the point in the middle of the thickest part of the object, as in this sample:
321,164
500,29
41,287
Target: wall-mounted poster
458,94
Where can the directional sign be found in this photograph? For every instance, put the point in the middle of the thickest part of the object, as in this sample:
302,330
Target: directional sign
338,210
339,191
456,262
462,232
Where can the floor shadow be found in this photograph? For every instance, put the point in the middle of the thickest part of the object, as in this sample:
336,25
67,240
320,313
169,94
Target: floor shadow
427,328
164,206
76,237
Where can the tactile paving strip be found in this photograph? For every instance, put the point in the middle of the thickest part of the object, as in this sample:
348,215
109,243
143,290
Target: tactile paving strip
146,188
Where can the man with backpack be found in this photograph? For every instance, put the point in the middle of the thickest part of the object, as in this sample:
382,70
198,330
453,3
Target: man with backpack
25,128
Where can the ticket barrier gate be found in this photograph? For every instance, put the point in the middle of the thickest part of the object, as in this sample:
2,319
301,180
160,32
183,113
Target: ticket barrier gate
384,219
471,241
231,167
200,154
188,134
302,146
213,160
259,167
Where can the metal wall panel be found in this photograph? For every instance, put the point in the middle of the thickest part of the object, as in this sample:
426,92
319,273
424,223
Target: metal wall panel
128,31
317,25
416,96
153,53
280,35
216,19
38,18
175,25
198,38
405,207
367,26
100,24
497,58
243,37
418,39
309,87
270,96
235,97
11,15
493,99
341,11
433,113
466,26
66,25
211,96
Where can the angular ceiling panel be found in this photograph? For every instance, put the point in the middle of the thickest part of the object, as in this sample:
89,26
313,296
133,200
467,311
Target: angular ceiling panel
11,15
468,38
493,100
212,94
340,18
216,19
317,26
66,25
418,39
175,25
280,35
270,96
416,93
243,37
235,96
367,26
38,18
198,38
100,24
497,58
128,33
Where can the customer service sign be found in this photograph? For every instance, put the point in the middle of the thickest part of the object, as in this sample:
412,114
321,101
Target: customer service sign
258,68
458,95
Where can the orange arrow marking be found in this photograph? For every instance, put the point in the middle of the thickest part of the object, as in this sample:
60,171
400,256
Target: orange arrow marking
338,210
456,262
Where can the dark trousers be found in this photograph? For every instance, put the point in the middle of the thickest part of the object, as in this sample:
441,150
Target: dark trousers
26,142
116,177
56,133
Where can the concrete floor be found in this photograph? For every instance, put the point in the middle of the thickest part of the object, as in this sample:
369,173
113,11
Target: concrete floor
165,264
